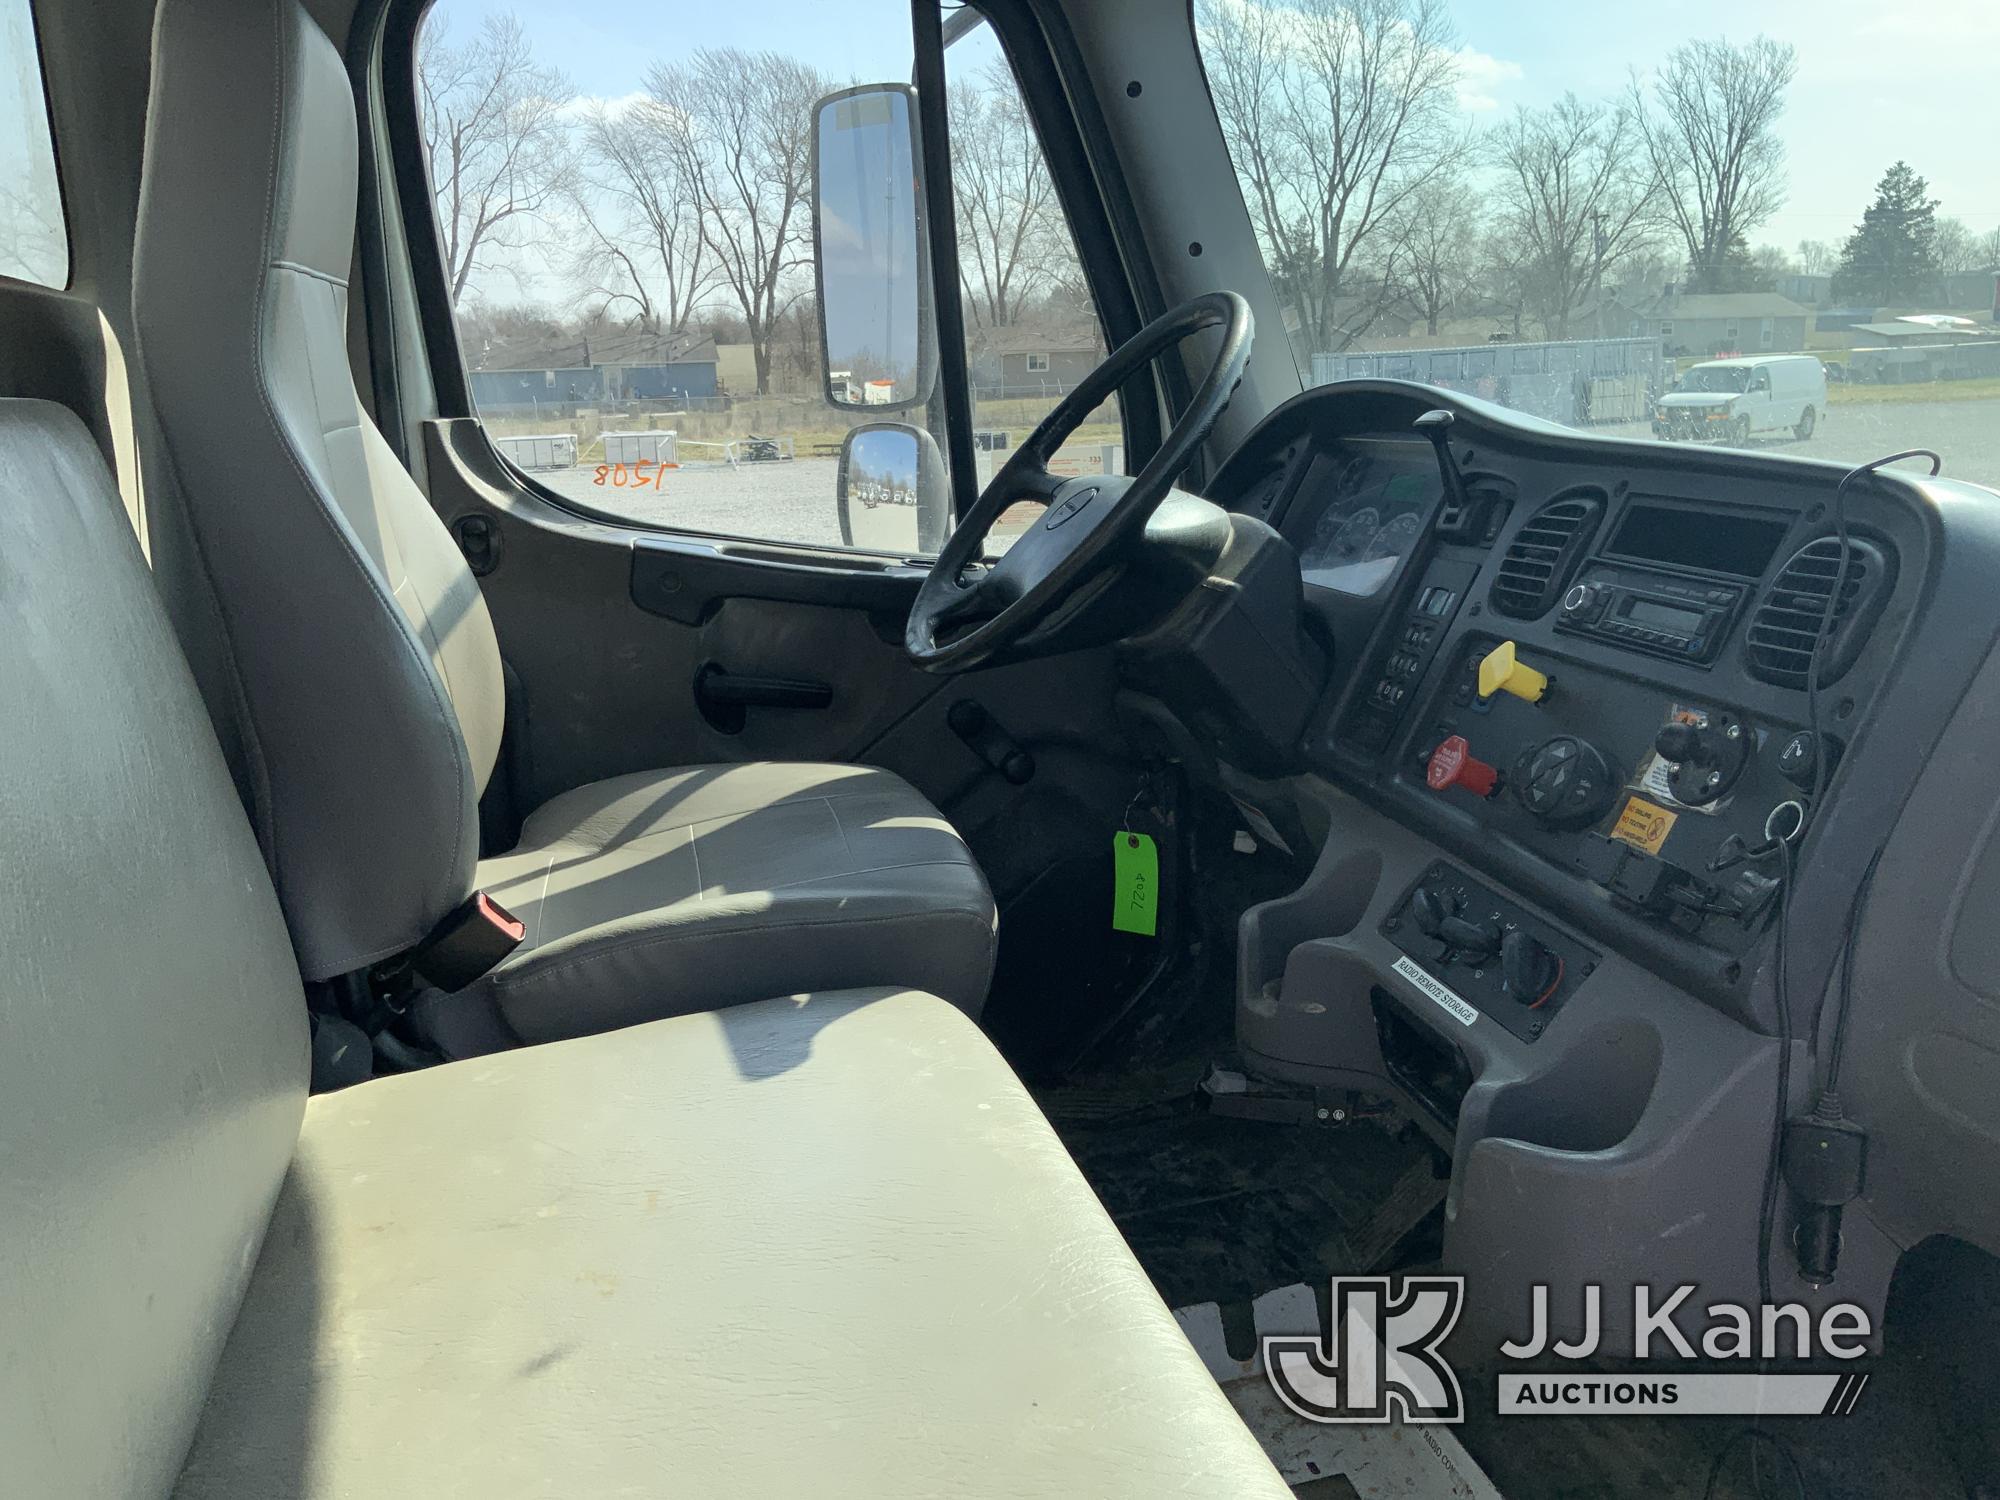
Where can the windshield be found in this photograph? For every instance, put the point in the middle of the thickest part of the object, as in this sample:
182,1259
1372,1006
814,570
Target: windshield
1574,213
1714,378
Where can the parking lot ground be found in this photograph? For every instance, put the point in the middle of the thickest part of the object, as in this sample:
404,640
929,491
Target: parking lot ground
794,501
1965,434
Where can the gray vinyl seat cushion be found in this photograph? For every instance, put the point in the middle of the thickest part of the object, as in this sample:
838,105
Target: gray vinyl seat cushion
660,893
368,671
821,1246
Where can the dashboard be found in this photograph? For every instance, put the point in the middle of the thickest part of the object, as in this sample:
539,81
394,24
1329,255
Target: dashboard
1594,827
1579,664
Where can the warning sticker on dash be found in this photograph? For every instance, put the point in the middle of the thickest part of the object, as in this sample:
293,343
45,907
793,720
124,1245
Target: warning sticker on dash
1644,825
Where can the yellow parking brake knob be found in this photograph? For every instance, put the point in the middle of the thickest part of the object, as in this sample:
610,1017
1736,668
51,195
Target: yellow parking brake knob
1501,672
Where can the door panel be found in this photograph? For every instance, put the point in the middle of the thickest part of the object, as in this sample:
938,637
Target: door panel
607,655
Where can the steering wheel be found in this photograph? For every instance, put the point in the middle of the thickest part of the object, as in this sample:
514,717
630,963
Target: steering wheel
1093,523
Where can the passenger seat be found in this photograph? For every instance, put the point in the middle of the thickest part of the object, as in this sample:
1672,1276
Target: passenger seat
369,672
823,1245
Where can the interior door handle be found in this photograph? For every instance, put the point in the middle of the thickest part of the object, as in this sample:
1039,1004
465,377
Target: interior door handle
723,695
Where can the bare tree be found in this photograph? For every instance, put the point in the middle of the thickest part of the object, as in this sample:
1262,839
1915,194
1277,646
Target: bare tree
1711,132
1437,248
1575,197
1957,247
494,139
1011,239
1336,112
1244,51
740,127
640,247
1987,251
1815,257
32,238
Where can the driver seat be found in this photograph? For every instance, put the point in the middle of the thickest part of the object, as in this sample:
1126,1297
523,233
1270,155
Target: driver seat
366,674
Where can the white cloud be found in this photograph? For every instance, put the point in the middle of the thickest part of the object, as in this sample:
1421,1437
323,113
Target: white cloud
1479,75
584,104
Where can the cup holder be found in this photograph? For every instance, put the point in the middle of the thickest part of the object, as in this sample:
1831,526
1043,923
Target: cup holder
1330,904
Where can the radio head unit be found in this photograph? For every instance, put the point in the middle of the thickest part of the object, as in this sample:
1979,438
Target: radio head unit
1649,610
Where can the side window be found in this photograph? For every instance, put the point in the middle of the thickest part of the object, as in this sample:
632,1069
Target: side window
34,242
626,219
1031,329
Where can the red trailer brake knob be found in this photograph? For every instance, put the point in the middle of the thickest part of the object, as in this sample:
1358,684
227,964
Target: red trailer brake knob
1453,764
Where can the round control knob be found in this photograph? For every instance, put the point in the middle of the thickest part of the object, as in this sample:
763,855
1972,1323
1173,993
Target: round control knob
1471,942
1677,741
1529,972
1453,764
1582,598
1565,781
1430,909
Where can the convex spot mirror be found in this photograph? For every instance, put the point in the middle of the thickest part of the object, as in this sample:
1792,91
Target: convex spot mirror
892,490
869,249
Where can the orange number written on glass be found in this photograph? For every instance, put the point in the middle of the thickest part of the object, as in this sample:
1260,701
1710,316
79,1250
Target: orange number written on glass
632,476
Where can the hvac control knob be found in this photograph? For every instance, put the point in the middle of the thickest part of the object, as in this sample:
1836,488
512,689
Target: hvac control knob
1565,782
1528,970
1439,914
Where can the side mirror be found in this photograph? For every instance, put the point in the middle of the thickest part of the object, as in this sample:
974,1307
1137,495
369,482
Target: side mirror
869,250
892,490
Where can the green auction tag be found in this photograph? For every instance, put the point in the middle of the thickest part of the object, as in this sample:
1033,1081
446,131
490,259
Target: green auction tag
1135,884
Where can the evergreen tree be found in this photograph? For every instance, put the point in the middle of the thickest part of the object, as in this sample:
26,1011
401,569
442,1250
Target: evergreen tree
1891,258
1735,270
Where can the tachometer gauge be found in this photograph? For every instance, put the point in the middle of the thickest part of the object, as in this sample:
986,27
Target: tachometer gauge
1337,541
1396,538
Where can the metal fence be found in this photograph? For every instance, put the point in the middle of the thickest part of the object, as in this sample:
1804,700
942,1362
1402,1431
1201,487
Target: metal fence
1576,382
1965,360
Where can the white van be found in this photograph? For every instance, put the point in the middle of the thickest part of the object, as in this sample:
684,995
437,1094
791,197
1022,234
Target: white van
1729,400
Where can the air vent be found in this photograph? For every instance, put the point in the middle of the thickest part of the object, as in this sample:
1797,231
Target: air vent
1544,552
1778,646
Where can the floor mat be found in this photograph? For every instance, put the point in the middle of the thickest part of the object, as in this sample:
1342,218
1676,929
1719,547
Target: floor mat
1219,1209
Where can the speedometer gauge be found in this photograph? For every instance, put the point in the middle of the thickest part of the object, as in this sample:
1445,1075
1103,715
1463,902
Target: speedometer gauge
1396,538
1337,541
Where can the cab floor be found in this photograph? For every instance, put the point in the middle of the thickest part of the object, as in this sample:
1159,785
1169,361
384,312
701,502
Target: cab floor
1221,1210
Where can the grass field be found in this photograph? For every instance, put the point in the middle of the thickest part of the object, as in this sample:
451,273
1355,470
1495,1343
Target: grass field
1915,392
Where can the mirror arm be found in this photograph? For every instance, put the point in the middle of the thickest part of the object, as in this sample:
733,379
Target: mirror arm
941,219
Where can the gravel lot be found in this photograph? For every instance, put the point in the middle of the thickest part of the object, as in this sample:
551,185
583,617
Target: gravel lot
794,501
1966,434
791,501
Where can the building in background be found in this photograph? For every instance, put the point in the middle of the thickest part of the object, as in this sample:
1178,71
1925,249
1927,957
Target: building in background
1035,357
601,369
1705,324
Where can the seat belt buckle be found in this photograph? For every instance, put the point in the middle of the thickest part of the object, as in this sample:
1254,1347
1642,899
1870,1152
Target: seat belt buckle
471,941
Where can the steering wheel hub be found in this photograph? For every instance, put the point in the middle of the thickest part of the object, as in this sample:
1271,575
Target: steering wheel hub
1069,506
965,616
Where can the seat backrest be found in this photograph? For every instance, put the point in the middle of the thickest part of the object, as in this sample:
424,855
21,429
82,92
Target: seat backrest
152,1029
369,675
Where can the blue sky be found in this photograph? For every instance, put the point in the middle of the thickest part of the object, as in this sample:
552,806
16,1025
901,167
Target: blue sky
1876,82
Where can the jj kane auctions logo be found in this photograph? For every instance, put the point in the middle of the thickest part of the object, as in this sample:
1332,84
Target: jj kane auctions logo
1383,1363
